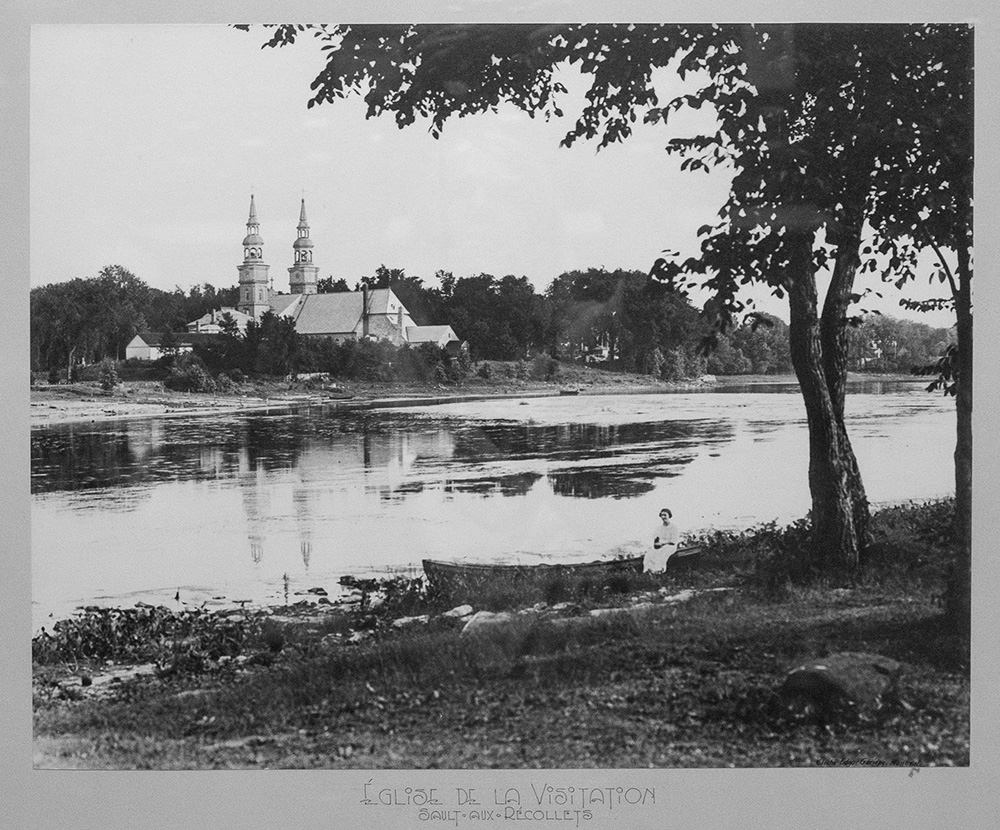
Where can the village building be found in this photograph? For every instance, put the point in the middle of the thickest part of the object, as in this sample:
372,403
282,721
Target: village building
347,315
151,345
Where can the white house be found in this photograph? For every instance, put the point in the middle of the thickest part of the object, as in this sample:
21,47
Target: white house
147,345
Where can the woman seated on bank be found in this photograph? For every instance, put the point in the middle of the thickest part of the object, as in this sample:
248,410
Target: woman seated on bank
665,540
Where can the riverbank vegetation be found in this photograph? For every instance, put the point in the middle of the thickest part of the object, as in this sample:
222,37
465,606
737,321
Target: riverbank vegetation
619,320
681,669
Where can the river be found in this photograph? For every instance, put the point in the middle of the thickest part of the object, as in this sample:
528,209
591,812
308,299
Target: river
253,506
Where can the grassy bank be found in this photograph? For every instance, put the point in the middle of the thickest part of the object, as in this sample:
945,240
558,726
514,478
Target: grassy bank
616,674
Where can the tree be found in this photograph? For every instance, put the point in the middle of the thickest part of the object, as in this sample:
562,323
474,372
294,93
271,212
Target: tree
327,285
809,118
57,323
270,345
926,200
121,314
815,148
763,339
88,319
496,317
169,346
623,310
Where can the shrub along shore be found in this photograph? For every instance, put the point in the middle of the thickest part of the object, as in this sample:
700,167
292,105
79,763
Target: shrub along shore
683,669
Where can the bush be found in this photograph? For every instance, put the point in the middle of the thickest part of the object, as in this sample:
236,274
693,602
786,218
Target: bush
655,362
460,366
109,374
485,370
674,365
189,375
224,383
135,369
544,367
90,372
140,634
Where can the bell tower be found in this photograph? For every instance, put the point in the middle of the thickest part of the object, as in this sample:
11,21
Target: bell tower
253,272
302,275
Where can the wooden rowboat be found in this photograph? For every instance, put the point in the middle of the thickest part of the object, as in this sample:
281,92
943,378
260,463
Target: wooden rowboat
450,576
684,557
447,576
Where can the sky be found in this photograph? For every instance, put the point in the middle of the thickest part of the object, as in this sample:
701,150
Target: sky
147,141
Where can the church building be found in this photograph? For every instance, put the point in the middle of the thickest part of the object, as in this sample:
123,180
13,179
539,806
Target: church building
346,315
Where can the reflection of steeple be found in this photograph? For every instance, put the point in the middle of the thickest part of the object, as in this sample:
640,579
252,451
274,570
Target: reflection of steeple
145,437
303,517
256,505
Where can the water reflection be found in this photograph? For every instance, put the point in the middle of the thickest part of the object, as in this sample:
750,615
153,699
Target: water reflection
518,484
394,455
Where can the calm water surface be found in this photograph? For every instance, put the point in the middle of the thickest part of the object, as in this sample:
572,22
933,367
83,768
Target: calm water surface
222,509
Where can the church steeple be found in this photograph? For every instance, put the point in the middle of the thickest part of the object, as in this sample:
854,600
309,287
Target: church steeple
253,272
302,275
253,243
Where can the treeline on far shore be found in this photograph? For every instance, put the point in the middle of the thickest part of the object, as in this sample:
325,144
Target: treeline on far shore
618,320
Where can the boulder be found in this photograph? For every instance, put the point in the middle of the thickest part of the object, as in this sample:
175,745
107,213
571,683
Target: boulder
458,611
841,682
485,621
403,621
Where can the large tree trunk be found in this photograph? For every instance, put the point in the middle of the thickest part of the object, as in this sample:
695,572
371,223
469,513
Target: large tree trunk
834,341
958,604
835,536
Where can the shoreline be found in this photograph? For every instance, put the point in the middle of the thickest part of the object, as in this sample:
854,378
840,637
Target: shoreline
86,402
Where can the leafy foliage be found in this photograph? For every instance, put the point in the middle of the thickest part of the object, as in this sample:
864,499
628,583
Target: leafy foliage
141,634
109,375
188,374
945,368
89,319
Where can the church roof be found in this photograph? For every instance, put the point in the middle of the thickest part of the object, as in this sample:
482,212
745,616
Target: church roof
284,303
378,300
337,313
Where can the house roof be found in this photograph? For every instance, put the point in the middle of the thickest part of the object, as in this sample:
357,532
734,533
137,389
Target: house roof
182,338
429,334
215,317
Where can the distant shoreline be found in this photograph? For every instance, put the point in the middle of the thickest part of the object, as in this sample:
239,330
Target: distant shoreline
87,402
